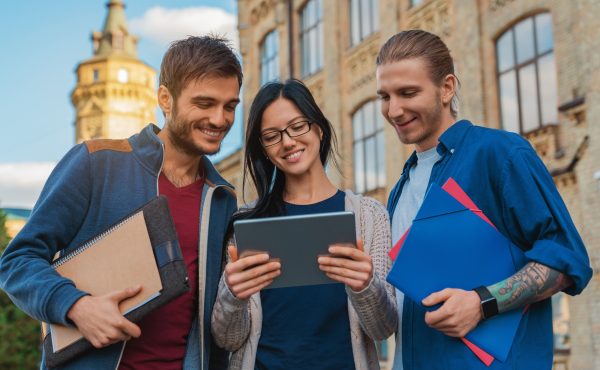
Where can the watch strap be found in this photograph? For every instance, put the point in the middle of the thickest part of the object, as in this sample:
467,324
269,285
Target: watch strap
489,305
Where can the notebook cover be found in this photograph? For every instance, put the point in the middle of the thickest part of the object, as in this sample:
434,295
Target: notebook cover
140,249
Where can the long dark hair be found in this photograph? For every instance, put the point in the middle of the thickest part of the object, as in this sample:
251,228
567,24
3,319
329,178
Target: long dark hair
268,182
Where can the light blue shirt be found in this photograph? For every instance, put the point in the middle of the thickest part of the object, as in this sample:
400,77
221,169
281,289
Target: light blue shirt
404,213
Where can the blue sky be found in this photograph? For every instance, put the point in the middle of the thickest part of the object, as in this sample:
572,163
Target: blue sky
43,42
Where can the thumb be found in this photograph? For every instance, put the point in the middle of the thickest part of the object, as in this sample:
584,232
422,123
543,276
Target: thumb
437,297
121,295
233,254
360,245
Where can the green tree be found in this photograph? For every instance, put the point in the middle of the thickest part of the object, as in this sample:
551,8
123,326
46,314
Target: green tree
20,334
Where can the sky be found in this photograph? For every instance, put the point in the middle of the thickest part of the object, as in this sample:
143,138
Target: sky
43,41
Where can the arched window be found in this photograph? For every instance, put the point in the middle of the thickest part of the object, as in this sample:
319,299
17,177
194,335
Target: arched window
369,148
311,37
527,75
269,58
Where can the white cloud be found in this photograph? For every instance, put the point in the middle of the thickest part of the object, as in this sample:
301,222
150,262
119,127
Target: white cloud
21,183
162,25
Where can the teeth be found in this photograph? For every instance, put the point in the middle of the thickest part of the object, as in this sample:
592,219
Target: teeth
210,132
293,155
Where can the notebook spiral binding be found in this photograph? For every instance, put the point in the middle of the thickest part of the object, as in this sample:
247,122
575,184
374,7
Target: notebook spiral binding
66,258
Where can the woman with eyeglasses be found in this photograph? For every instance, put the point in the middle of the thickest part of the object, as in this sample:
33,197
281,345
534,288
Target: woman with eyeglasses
333,326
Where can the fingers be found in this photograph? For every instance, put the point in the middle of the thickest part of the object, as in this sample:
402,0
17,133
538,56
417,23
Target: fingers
233,253
437,297
129,329
360,274
245,263
459,313
348,265
124,294
349,251
245,294
244,281
99,318
433,318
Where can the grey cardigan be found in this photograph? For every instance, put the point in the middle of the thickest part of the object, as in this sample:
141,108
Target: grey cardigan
236,324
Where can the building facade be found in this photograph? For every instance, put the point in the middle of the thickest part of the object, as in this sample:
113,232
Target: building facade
115,95
528,66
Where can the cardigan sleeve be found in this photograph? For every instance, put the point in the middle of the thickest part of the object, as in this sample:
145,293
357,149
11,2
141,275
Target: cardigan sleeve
230,321
376,304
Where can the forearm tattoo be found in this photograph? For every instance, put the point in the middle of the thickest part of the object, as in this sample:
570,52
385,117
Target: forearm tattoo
534,282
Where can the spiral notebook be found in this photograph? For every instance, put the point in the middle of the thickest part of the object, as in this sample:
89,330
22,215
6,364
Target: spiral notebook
140,249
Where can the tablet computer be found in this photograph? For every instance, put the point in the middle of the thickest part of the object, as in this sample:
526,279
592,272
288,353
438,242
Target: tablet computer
297,241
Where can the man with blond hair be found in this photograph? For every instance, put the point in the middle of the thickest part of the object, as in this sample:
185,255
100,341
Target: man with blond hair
503,175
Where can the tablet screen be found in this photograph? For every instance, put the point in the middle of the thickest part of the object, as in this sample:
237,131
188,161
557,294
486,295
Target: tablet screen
297,242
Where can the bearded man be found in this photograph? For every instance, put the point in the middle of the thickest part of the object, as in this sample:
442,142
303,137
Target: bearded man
99,182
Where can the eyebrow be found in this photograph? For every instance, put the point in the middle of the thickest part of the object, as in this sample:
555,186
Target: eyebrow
208,99
407,87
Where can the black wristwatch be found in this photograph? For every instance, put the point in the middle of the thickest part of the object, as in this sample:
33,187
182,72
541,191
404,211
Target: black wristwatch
489,305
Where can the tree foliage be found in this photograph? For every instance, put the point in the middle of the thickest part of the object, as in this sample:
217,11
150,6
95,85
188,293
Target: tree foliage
20,334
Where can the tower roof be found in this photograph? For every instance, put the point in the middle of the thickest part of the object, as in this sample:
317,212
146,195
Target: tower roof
115,38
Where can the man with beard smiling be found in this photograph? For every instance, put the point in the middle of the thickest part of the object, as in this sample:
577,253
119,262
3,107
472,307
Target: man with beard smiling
101,181
503,175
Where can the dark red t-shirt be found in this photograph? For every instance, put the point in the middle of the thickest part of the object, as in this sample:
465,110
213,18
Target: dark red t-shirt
164,331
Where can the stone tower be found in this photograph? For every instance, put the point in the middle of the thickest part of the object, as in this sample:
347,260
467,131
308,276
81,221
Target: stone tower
115,93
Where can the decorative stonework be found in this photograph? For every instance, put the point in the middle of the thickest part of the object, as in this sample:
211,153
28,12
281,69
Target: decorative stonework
546,143
262,10
433,16
565,181
497,4
361,64
315,85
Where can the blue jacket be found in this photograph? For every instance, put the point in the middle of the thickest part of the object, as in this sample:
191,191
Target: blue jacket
503,175
96,184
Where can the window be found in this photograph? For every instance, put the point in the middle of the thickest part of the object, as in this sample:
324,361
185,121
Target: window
561,321
369,150
527,85
118,40
364,19
414,3
96,75
311,37
269,58
122,75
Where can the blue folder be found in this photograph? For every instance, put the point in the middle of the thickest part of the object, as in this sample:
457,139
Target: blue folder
449,246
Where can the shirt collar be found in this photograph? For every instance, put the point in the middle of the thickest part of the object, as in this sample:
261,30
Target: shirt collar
448,141
453,136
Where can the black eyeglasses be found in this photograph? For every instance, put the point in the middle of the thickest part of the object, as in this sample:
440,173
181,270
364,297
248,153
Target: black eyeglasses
273,136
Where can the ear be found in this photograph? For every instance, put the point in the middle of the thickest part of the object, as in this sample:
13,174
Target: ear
319,131
448,88
165,100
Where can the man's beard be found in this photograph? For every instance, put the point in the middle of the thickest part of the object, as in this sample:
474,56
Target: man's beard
180,134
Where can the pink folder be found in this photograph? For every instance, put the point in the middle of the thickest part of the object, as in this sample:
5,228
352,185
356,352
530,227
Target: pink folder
452,188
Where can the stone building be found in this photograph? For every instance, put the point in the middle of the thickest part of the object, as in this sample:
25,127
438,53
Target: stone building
529,66
115,95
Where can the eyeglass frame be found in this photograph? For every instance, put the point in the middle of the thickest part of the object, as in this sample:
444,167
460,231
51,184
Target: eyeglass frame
280,132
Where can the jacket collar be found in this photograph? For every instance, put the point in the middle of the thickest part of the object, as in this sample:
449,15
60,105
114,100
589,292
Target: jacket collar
149,149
